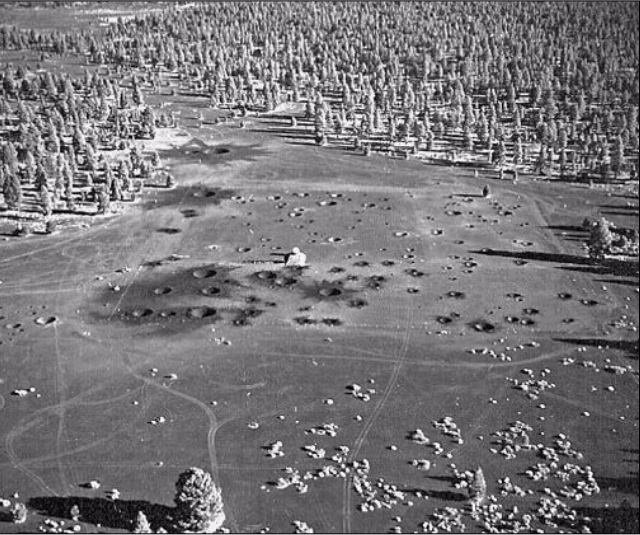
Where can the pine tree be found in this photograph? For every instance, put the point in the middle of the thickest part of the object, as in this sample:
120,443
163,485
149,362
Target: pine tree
19,513
103,200
141,524
46,202
12,191
617,157
600,239
198,502
477,488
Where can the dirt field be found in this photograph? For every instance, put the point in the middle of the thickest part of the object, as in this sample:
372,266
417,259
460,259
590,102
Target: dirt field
410,269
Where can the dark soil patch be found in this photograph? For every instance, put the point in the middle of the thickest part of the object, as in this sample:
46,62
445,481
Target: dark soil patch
197,151
194,195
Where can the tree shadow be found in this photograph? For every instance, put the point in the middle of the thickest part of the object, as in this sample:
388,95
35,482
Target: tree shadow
622,519
117,514
610,266
616,281
621,207
463,195
628,346
448,479
444,495
567,228
626,485
559,258
618,213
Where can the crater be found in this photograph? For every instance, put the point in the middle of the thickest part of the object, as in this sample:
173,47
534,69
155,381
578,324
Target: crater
453,294
201,312
482,326
169,230
266,275
357,303
211,290
564,296
163,290
330,292
46,321
141,312
414,272
375,282
204,273
304,320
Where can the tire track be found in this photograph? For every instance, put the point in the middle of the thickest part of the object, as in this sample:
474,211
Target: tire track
400,359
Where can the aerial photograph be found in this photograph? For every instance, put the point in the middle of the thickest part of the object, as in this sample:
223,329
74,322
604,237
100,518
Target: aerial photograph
319,267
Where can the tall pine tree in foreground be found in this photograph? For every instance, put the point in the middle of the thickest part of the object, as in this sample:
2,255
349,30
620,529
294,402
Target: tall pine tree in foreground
198,502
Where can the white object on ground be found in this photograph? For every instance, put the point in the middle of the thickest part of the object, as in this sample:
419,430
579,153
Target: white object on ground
295,258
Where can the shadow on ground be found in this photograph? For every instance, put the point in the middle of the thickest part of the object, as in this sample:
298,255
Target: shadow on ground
117,514
628,346
622,519
610,266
